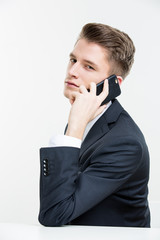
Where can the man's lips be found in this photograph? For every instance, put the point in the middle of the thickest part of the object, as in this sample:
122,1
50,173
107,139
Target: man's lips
71,84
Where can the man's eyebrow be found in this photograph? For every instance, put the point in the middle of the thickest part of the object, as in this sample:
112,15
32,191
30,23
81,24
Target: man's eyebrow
91,63
85,60
72,55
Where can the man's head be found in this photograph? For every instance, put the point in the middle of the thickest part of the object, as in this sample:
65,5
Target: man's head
99,52
118,45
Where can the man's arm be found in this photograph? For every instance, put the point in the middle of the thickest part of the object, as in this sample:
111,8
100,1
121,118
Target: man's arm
66,193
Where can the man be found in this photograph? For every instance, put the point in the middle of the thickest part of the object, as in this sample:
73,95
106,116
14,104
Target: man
97,173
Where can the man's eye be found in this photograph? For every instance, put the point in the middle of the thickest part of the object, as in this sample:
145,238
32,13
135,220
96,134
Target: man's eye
89,67
72,60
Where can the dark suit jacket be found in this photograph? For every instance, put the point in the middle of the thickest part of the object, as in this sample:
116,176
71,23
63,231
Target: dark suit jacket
104,183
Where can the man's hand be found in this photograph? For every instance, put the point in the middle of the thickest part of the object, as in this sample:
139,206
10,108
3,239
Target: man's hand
85,107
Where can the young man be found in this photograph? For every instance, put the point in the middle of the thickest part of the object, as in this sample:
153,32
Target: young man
97,173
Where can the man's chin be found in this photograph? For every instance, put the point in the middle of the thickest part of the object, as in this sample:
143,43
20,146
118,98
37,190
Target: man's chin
69,98
68,93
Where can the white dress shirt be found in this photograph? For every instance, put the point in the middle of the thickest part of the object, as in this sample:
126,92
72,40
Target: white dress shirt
68,141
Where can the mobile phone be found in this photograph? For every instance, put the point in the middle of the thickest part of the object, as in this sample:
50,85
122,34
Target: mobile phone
114,89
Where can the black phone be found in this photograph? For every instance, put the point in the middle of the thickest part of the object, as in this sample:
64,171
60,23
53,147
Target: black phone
114,89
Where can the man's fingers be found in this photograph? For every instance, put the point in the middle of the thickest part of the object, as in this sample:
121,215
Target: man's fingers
82,89
93,88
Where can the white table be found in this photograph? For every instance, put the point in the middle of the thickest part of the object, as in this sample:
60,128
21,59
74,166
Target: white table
13,231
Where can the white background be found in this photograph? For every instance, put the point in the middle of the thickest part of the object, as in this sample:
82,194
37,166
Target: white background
36,37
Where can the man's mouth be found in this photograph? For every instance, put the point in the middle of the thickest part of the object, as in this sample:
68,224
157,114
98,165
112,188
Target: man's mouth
71,84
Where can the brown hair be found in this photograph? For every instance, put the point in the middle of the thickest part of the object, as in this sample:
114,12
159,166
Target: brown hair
118,44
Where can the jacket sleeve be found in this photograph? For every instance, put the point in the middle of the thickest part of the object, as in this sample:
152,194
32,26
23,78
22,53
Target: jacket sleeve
66,192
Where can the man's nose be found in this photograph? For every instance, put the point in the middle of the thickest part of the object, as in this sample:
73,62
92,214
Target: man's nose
74,70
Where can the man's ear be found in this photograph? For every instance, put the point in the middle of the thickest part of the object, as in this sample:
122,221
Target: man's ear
120,79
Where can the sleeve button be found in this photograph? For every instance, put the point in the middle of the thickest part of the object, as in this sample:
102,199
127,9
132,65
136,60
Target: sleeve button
45,161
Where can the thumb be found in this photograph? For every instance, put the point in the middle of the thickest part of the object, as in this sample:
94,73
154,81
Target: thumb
73,97
71,101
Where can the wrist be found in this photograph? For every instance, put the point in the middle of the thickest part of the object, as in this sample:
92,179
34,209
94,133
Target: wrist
75,131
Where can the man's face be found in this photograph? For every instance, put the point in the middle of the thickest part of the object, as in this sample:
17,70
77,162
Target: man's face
88,63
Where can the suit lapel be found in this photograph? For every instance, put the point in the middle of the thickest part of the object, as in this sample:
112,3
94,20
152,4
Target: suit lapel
96,132
101,127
